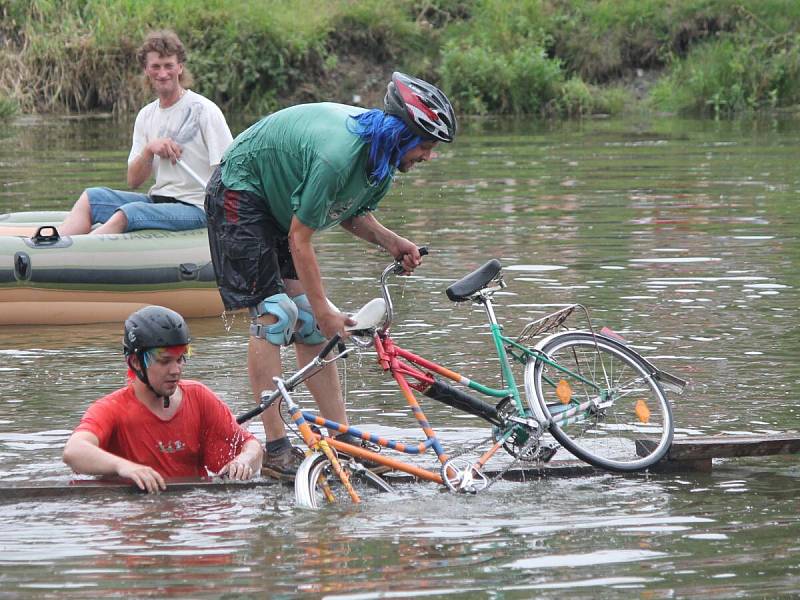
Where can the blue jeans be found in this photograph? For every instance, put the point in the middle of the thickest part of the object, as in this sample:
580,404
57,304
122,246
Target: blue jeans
143,211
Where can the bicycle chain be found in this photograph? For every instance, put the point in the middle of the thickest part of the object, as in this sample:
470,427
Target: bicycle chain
517,459
465,448
468,447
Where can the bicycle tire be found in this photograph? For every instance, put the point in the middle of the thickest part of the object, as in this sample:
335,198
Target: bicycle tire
637,408
315,474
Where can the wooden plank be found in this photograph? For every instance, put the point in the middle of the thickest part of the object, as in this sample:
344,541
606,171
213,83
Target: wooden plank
697,448
685,454
696,453
97,488
92,487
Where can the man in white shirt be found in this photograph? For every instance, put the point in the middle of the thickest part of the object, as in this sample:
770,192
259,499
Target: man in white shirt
178,139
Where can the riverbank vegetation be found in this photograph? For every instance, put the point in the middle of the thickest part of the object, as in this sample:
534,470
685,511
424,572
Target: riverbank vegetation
540,57
8,108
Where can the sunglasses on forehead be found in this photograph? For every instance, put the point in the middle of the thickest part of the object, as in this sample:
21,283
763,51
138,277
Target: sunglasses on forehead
181,352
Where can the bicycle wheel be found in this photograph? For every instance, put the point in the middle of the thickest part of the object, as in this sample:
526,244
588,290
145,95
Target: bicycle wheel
601,400
316,484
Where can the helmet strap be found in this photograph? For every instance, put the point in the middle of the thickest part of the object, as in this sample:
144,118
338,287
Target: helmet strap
141,373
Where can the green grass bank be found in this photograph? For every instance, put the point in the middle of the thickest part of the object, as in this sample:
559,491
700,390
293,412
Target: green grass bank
540,57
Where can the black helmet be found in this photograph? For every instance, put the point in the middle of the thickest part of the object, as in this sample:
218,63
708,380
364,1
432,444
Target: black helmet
422,106
154,327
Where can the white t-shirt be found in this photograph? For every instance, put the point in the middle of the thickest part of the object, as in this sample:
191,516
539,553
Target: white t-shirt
199,127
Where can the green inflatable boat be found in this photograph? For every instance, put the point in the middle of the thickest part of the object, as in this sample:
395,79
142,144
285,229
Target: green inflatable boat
49,279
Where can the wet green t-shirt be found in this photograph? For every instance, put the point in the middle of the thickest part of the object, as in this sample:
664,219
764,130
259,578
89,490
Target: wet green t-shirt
304,161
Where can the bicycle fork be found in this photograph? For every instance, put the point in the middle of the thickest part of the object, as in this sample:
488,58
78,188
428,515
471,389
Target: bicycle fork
317,442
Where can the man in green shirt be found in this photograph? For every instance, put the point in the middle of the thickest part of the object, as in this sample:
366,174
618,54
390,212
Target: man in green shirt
296,172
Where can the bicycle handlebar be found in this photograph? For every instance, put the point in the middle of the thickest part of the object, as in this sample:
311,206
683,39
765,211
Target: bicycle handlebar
309,369
398,266
253,412
393,269
332,343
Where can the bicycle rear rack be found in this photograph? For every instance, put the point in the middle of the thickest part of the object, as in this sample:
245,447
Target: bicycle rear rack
552,322
555,321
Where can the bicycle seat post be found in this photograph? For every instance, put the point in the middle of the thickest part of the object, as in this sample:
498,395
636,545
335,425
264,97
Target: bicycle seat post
484,297
486,301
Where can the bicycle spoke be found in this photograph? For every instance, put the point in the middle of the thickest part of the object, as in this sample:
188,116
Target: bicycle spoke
624,403
317,484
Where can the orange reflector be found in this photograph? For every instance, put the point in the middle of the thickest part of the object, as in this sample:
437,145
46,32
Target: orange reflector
564,391
642,412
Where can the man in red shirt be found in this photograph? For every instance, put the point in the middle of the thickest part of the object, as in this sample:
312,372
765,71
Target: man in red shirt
158,426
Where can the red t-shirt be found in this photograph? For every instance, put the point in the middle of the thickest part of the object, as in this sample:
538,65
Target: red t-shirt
201,436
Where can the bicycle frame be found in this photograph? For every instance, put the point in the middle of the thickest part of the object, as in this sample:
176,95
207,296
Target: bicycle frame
505,347
522,427
390,356
413,373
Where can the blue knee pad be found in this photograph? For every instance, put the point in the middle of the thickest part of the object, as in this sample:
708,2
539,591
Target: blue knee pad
282,307
308,331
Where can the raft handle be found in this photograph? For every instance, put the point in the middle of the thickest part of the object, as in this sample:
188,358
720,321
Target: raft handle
189,271
52,237
22,266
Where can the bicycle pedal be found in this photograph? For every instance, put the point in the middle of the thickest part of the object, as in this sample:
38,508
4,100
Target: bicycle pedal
546,453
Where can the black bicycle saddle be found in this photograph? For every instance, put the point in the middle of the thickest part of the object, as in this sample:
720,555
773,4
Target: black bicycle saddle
468,285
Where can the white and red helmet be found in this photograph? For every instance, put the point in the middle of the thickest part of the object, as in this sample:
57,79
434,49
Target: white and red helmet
422,106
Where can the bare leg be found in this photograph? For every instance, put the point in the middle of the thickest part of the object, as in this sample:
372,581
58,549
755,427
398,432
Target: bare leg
118,223
79,219
264,363
324,386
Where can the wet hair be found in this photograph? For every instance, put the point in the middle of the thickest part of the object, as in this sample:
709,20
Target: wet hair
165,43
389,139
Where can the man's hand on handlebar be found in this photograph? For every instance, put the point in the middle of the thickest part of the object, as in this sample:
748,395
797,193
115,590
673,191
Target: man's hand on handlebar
409,263
407,255
333,322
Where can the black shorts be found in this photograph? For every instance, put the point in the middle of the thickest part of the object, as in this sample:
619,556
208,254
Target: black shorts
249,249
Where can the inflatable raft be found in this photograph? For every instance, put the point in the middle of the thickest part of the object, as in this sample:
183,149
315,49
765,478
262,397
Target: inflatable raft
49,279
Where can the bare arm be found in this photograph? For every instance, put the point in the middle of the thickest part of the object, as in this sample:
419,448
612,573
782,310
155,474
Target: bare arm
83,454
246,464
369,229
141,168
305,262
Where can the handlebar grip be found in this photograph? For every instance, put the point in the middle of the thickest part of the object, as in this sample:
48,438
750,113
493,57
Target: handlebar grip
243,418
423,251
253,412
332,343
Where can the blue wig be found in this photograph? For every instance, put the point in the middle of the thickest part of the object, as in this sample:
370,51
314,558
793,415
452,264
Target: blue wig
388,138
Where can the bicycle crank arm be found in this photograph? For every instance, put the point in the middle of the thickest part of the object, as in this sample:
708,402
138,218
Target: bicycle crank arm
527,422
